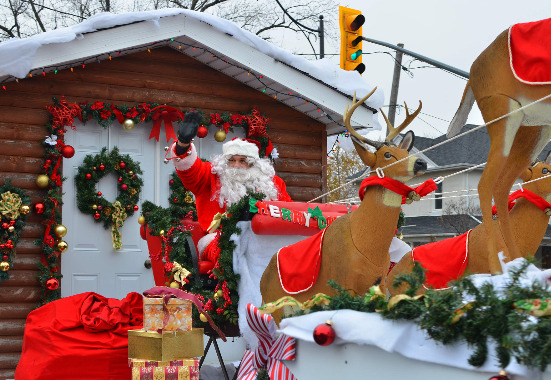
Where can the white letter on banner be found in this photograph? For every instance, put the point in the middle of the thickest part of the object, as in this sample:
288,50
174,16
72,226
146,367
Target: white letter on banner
274,211
307,216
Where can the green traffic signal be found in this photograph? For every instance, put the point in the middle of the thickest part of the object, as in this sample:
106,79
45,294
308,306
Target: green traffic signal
355,55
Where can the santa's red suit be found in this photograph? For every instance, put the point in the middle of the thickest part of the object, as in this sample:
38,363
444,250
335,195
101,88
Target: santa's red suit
198,177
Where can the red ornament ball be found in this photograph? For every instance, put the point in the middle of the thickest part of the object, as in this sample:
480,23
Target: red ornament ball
202,131
67,151
324,334
5,225
175,200
88,176
97,215
5,257
142,232
171,182
120,179
52,284
502,376
39,208
99,193
122,165
124,187
136,207
102,167
100,207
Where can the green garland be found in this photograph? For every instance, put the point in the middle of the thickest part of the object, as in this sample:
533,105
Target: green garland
14,207
465,313
92,170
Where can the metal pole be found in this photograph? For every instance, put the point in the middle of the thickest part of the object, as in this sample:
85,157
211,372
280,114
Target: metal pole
420,57
320,32
395,85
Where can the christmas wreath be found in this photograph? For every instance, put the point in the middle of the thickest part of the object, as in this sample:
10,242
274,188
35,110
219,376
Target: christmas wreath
90,201
14,207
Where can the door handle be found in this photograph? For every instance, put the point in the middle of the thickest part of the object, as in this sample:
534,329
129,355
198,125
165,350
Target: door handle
147,264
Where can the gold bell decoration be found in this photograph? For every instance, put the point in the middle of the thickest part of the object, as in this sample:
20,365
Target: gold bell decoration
42,181
62,246
128,124
220,135
4,266
60,230
25,209
174,285
202,318
141,220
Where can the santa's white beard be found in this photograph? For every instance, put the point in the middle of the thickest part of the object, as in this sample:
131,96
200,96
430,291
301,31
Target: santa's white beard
236,182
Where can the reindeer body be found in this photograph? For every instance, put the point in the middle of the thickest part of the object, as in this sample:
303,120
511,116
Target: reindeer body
515,141
355,246
530,226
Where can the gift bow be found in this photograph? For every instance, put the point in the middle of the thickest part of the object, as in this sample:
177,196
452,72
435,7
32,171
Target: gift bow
10,204
270,351
167,114
118,216
216,221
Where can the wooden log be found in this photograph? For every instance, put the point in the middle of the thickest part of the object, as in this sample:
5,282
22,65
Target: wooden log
10,327
18,131
301,179
299,151
16,310
24,115
9,360
303,194
7,373
32,231
20,294
25,261
21,148
21,278
11,343
21,164
25,181
298,166
294,138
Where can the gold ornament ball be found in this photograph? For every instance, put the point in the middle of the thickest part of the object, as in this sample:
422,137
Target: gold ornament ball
174,285
130,172
220,136
60,230
4,266
25,209
42,181
62,246
218,294
11,228
94,207
128,124
141,220
162,232
202,318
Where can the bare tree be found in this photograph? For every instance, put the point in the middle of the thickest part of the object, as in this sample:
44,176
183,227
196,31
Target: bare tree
461,216
265,18
342,165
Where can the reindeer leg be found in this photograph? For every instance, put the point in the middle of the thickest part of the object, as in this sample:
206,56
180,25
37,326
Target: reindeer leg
405,265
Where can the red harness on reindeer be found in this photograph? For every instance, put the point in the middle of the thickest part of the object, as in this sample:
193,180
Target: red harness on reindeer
529,52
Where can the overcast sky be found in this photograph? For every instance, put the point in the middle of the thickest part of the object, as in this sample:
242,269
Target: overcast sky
454,32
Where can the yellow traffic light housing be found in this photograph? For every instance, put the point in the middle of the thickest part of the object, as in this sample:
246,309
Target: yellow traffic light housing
351,21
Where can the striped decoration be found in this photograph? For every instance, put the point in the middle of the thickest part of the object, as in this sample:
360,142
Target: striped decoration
270,350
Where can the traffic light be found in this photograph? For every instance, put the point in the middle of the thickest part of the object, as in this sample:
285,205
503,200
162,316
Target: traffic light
351,21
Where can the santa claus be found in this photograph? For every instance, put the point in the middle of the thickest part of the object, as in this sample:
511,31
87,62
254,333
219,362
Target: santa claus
223,181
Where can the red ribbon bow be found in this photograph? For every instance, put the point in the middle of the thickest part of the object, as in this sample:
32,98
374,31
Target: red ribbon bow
536,200
398,187
167,114
270,351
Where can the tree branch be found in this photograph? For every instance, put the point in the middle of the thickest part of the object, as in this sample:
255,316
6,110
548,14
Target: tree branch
37,16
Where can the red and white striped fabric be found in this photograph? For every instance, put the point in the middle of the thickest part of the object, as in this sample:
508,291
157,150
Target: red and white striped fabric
270,350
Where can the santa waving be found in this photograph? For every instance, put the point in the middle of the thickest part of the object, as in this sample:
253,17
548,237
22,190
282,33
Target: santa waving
224,181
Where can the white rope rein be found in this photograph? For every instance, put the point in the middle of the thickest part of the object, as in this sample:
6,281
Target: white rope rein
381,170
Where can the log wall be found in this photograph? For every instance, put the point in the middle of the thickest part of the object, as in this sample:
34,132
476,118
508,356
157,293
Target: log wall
163,76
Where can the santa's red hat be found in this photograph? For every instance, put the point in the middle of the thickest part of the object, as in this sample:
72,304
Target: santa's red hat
245,147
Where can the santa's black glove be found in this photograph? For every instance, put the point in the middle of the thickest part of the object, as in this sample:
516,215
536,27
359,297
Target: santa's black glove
188,129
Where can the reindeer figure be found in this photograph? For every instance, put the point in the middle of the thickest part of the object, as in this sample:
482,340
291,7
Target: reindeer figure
530,223
355,246
516,140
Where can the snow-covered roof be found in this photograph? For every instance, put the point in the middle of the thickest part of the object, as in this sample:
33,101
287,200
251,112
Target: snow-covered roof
318,89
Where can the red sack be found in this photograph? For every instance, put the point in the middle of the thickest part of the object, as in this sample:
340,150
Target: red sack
80,337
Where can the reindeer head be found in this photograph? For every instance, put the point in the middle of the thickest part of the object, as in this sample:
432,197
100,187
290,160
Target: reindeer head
386,153
536,171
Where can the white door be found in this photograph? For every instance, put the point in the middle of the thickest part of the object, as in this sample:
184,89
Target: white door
91,263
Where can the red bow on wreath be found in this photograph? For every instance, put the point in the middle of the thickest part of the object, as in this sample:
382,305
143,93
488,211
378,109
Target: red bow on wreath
167,114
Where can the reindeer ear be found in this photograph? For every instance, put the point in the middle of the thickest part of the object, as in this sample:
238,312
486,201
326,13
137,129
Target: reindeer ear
367,157
407,141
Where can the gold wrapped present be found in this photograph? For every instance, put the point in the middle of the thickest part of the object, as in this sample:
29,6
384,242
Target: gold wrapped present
165,373
170,345
179,312
193,362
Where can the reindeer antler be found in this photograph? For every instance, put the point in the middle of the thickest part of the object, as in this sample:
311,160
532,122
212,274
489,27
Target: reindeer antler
348,114
394,131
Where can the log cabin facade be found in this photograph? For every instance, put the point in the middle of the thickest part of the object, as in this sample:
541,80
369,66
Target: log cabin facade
216,80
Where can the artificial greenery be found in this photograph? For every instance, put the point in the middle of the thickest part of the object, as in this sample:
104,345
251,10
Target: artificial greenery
466,313
12,216
93,169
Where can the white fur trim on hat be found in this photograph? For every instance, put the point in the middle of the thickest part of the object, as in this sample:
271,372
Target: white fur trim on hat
240,147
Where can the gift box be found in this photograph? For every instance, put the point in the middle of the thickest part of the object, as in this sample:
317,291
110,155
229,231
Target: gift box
179,312
183,369
165,346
